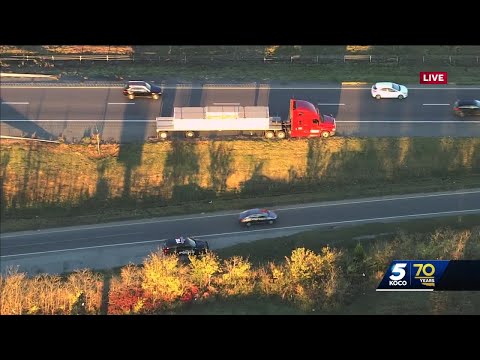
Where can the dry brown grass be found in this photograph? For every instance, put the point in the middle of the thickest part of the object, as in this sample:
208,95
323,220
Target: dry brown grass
35,174
15,50
89,49
358,48
49,294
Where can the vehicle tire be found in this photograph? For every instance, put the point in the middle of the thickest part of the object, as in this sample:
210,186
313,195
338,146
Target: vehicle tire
162,135
269,134
131,96
400,97
378,97
461,114
189,134
248,224
325,134
156,96
270,222
281,135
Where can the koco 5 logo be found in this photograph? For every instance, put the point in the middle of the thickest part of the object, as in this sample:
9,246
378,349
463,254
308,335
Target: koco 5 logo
397,274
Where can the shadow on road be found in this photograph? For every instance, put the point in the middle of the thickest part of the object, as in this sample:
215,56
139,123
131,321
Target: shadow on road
18,125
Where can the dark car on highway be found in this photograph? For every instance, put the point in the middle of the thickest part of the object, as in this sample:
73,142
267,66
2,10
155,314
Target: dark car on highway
257,216
185,246
141,88
467,108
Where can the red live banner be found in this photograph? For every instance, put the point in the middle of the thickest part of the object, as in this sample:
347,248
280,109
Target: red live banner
433,77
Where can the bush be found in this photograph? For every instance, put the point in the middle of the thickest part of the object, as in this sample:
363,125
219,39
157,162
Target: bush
129,300
237,277
164,278
203,268
308,279
84,287
13,288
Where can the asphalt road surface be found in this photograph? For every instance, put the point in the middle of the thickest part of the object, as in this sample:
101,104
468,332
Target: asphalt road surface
76,111
116,244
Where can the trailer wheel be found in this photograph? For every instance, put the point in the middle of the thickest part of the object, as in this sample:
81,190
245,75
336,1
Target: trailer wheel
163,135
189,134
281,135
325,134
269,134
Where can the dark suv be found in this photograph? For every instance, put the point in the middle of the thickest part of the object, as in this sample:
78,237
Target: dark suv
466,108
141,88
185,246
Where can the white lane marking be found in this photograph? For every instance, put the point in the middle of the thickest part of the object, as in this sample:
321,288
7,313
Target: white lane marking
347,222
129,103
72,240
259,230
62,87
410,121
338,121
226,104
436,104
15,103
227,87
330,104
308,88
76,120
382,200
404,289
157,221
84,248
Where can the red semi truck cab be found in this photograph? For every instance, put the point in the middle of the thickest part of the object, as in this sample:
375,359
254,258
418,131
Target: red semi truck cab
307,121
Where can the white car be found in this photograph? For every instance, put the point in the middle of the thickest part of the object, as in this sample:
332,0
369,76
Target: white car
382,90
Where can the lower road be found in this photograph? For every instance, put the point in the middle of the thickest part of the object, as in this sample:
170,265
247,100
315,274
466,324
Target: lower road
76,111
116,244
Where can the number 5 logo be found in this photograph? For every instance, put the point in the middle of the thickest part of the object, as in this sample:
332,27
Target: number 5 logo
398,271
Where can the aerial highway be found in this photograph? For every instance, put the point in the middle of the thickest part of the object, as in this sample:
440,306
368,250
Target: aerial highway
74,110
115,244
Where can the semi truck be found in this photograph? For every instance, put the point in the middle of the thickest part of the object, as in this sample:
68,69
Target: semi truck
305,120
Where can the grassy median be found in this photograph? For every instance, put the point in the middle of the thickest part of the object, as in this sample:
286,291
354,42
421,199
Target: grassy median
45,185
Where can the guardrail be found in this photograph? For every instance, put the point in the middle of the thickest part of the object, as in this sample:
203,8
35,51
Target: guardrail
462,60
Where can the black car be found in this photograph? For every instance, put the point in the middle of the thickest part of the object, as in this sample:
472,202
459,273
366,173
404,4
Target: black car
467,108
185,246
257,216
141,88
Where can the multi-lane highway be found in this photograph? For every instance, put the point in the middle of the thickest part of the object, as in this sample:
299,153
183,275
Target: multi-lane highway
75,110
116,244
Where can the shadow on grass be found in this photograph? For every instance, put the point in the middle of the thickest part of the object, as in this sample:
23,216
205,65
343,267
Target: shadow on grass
181,174
353,170
221,165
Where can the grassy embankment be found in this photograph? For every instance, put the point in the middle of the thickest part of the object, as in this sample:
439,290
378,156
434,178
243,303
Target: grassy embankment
316,272
55,185
205,63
